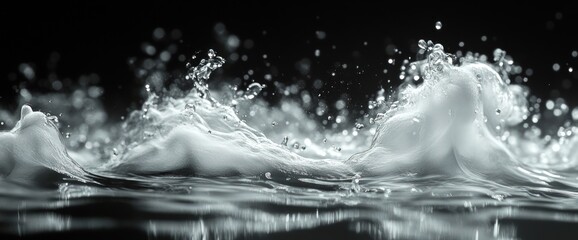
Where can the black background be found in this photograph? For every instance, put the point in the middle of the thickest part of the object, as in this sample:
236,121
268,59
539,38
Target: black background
101,37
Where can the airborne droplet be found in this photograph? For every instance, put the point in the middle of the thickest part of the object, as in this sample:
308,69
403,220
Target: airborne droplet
253,90
422,44
438,25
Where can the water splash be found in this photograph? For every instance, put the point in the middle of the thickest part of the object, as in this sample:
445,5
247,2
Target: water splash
464,136
201,72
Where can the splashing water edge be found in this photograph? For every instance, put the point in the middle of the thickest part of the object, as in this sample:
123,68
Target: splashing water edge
455,152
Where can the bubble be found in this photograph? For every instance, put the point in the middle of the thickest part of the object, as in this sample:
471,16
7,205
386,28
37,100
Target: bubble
484,38
570,69
498,111
574,53
317,52
438,25
268,175
285,140
359,126
273,123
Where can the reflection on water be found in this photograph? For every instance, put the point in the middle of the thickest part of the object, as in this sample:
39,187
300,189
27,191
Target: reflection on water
225,208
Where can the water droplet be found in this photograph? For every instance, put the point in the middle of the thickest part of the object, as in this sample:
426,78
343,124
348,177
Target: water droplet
54,119
285,140
498,197
253,90
211,53
556,67
422,44
114,151
1,123
575,114
438,25
296,145
320,35
268,175
550,104
67,135
158,33
498,111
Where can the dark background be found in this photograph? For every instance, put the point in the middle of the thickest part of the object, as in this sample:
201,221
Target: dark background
101,37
